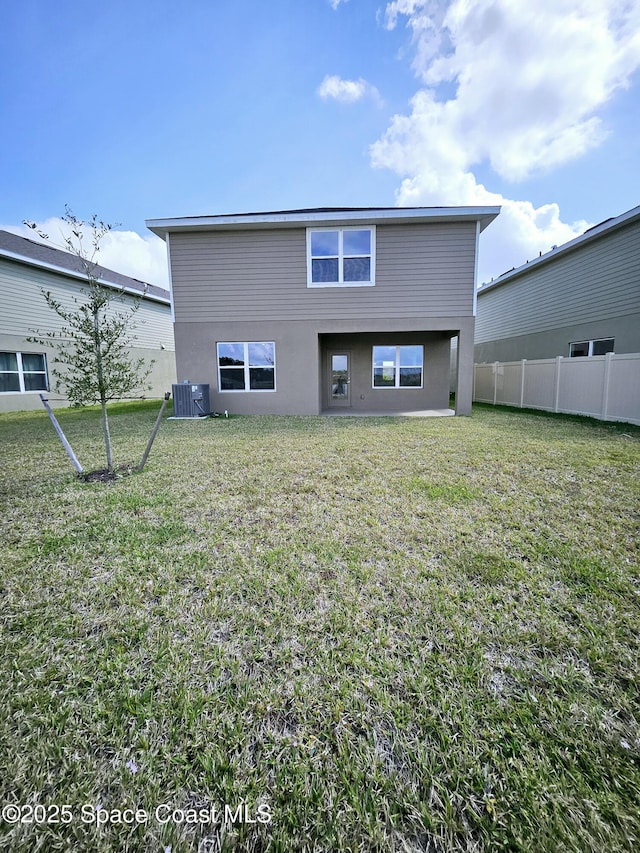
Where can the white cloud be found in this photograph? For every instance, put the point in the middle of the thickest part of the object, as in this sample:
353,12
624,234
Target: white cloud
140,257
336,3
517,86
346,91
126,252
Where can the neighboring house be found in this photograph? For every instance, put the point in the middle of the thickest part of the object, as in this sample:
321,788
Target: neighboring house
27,268
579,299
307,311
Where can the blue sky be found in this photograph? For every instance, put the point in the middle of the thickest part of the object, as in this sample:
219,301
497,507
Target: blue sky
138,110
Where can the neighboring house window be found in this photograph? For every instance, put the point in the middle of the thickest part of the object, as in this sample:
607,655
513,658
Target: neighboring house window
249,366
397,367
596,347
23,371
340,257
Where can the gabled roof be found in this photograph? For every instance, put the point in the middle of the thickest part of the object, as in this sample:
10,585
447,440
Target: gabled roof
43,256
323,216
593,233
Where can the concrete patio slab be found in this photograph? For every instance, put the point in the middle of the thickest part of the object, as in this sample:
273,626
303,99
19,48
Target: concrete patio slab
423,413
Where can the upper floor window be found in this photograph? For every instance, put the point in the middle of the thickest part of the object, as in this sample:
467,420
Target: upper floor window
586,348
23,371
340,257
247,366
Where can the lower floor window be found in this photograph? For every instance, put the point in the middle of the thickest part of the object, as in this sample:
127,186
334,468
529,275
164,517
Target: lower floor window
600,346
247,366
397,366
23,371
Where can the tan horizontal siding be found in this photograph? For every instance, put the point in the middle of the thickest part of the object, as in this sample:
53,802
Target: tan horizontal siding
24,309
420,269
598,281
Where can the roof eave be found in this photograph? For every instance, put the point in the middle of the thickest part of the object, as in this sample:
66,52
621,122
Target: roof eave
483,215
597,231
32,262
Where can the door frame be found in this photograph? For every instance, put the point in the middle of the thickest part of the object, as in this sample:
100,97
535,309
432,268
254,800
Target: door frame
332,402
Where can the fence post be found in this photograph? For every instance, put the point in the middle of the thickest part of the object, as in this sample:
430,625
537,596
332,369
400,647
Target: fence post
605,385
522,366
496,365
556,390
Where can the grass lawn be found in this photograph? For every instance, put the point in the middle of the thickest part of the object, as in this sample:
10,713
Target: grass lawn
356,634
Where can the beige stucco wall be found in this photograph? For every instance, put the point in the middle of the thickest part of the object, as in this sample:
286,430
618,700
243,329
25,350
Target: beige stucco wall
625,332
301,375
161,378
364,397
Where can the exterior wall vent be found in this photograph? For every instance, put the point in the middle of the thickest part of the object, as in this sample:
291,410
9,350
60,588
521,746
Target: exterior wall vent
190,401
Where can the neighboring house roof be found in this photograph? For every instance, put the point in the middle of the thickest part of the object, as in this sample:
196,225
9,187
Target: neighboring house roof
324,216
43,256
593,233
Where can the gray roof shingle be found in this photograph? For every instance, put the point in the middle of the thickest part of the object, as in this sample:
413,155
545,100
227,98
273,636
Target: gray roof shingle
43,254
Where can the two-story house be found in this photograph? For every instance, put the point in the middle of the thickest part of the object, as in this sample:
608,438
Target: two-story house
29,267
580,299
320,310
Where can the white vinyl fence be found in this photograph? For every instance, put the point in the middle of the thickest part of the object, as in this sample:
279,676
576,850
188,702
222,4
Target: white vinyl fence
600,386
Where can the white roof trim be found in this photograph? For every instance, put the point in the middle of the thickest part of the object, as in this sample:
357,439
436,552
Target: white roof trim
484,215
34,262
590,234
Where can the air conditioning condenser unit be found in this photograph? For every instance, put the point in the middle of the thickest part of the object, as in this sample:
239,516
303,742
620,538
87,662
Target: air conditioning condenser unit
190,401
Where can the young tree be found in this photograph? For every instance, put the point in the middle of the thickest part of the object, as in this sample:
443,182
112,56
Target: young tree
92,362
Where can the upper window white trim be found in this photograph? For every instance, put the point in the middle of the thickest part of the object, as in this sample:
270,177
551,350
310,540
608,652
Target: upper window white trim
340,255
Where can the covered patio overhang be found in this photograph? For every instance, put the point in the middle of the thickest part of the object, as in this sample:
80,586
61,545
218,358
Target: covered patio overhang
397,371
